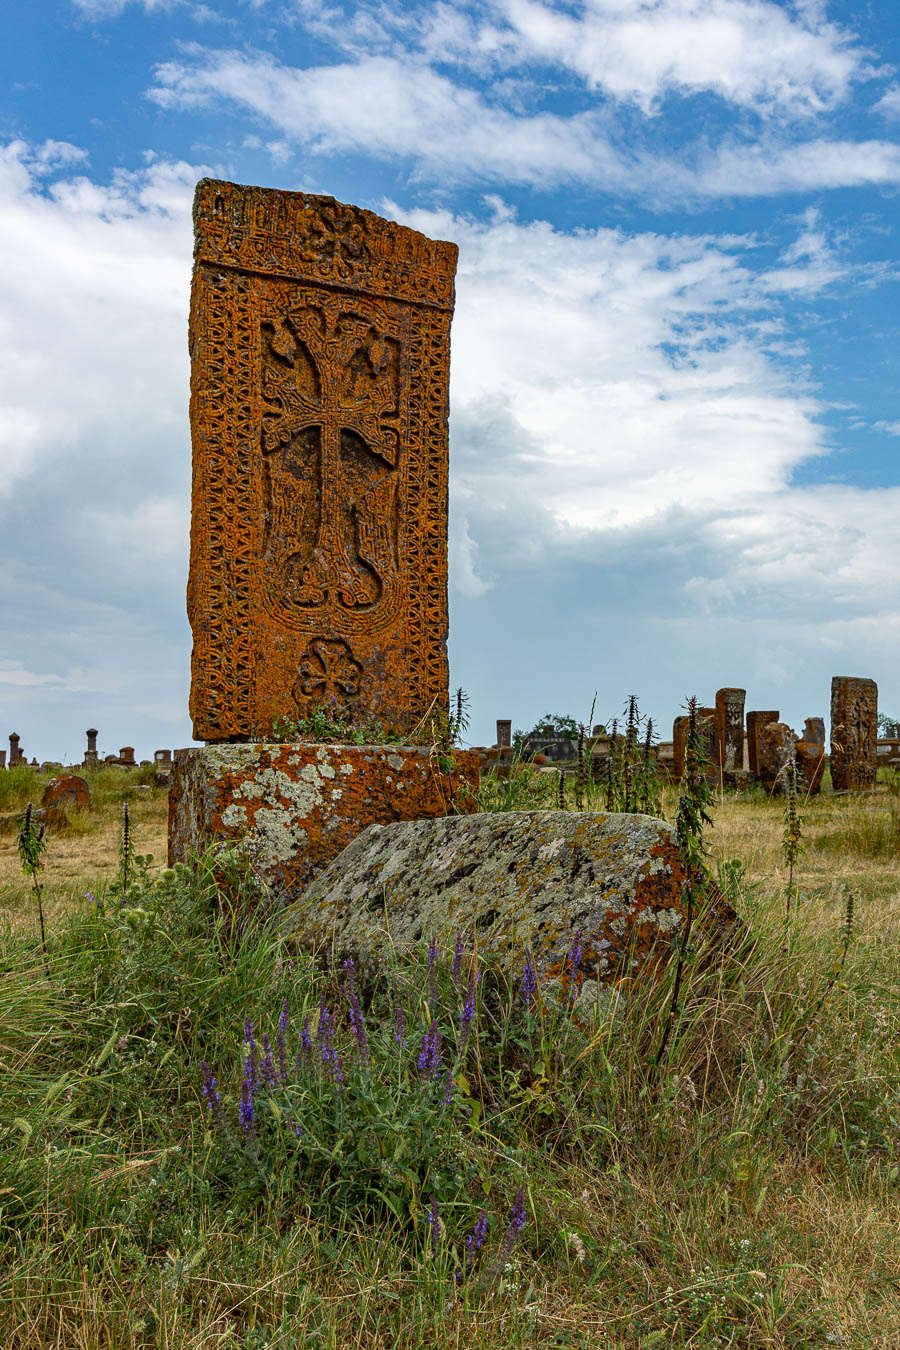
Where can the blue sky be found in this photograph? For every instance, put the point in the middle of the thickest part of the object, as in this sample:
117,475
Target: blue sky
675,421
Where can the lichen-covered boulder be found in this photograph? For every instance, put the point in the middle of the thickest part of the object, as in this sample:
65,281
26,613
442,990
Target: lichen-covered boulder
511,882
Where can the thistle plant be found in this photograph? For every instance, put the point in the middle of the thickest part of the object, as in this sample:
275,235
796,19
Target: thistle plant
791,845
31,845
581,770
126,850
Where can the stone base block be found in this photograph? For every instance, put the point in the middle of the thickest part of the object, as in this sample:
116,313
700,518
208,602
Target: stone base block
301,805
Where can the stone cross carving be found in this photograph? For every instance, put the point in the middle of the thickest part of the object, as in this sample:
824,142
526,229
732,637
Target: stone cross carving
854,732
319,341
504,732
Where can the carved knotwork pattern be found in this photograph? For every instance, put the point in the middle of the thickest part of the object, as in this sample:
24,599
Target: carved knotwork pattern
319,425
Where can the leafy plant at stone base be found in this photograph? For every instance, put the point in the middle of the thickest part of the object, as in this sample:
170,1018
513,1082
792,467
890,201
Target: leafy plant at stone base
31,846
324,724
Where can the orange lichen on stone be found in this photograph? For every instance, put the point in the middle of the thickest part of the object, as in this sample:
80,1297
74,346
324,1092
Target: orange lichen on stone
299,805
319,339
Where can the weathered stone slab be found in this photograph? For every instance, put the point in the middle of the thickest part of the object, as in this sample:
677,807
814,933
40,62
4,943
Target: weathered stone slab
67,792
301,805
730,731
854,733
319,339
755,720
513,880
810,757
775,748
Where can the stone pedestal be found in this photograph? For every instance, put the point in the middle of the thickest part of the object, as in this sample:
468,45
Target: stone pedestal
301,805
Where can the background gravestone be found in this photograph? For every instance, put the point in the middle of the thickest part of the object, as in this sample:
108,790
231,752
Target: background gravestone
854,732
730,730
67,792
756,720
319,340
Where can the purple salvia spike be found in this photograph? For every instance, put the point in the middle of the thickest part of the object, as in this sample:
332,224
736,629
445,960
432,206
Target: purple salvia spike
434,1218
268,1062
456,965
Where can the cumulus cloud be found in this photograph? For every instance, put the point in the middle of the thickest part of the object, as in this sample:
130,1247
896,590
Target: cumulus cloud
752,54
400,107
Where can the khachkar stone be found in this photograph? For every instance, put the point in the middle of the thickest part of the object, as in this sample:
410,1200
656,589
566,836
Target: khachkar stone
756,720
730,730
854,732
319,340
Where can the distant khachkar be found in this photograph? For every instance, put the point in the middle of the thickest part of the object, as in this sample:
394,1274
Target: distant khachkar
319,339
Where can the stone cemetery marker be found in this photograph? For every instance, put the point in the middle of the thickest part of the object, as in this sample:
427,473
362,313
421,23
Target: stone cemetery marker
504,733
66,792
854,732
775,750
2,759
319,339
126,756
730,729
15,754
90,755
755,720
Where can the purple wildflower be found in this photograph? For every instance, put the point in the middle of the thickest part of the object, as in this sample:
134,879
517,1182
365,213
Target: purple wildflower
437,1227
304,1054
476,1238
468,1012
430,1055
280,1035
400,1029
351,973
517,1218
268,1062
247,1114
213,1100
456,964
358,1025
474,1243
529,980
251,1064
330,1058
575,962
323,1017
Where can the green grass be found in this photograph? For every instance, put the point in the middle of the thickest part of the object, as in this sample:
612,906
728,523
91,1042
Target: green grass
744,1195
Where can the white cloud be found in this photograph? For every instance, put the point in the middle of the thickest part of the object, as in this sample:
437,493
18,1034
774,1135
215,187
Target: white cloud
889,103
753,54
892,428
399,107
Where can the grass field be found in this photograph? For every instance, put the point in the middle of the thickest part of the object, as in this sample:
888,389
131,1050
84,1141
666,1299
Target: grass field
743,1193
